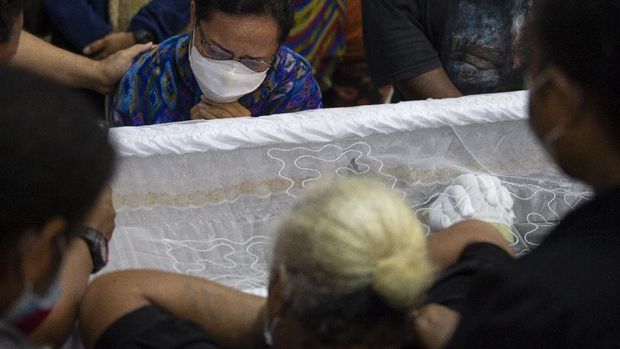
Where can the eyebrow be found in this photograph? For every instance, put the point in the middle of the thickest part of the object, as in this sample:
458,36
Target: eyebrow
213,42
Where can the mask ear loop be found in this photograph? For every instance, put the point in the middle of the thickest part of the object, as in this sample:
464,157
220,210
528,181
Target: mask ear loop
193,39
268,330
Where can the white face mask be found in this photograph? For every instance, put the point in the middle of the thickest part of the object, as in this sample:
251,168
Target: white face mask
223,81
30,310
268,330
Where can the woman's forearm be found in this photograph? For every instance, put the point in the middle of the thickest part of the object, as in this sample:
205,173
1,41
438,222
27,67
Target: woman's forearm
230,317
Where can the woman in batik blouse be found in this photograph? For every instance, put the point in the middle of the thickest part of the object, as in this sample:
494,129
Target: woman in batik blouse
232,64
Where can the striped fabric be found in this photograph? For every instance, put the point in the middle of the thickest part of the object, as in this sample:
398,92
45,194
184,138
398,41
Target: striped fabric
318,35
121,12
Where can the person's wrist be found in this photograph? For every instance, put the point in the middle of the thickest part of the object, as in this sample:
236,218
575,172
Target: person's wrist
97,244
82,249
100,81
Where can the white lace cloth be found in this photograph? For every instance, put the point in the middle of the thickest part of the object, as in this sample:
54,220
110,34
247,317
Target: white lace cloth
201,198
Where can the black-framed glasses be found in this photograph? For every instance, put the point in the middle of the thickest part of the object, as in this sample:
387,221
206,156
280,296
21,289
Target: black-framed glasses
215,52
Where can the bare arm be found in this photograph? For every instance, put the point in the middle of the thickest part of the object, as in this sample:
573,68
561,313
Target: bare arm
74,277
36,55
433,84
445,247
232,319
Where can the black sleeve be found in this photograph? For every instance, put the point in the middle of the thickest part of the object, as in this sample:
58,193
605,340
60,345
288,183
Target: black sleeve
396,45
503,310
153,327
453,286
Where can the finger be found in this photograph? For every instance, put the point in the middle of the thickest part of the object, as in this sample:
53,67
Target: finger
103,54
446,222
135,50
219,111
449,216
232,108
94,47
467,180
195,113
488,189
506,198
201,112
241,110
434,216
462,200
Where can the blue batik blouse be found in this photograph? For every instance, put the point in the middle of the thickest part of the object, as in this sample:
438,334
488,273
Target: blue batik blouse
160,87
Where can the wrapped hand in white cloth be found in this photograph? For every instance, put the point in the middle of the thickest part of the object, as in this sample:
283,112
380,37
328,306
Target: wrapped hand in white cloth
474,197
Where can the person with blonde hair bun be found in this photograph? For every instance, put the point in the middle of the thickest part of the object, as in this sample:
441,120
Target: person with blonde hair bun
350,264
355,259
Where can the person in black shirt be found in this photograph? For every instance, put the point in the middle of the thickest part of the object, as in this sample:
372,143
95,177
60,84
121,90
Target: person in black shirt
564,294
446,48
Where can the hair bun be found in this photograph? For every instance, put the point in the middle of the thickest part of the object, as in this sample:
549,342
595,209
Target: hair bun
402,279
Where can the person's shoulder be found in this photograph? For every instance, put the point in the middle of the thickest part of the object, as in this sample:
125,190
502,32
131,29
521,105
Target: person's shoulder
291,61
167,50
176,45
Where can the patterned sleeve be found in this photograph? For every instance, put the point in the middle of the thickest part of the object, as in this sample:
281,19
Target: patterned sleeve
149,92
296,88
128,104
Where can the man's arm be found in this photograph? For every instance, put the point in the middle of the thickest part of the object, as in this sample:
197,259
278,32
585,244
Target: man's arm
446,247
36,55
74,277
434,324
231,318
433,84
400,51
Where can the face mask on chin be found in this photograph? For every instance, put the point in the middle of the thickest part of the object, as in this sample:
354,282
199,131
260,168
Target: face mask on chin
30,310
223,81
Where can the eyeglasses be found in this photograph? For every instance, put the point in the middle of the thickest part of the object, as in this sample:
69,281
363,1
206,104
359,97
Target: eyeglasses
214,51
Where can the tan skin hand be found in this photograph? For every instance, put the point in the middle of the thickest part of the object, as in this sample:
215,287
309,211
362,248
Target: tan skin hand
102,215
434,325
114,67
208,110
109,45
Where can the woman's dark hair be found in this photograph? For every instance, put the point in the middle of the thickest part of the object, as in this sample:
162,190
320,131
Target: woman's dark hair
9,10
55,157
280,10
582,37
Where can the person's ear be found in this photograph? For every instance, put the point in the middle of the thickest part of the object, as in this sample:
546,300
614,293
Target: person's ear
41,256
8,49
277,291
192,20
568,95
